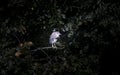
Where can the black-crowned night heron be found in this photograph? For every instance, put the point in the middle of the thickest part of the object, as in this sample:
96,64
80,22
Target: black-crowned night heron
54,37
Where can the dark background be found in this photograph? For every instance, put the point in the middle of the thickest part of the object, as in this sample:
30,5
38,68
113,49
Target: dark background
90,37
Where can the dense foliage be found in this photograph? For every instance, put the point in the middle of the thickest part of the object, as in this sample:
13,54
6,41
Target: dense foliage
89,41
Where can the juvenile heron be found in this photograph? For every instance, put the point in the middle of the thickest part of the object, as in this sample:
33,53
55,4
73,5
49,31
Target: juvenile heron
54,37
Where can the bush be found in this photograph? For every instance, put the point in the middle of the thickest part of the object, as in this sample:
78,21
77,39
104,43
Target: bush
90,37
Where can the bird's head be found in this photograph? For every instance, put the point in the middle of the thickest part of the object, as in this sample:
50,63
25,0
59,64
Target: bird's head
54,30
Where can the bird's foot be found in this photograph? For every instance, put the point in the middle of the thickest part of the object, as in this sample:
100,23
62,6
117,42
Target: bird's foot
54,47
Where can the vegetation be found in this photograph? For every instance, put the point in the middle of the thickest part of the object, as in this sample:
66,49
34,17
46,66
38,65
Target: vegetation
89,41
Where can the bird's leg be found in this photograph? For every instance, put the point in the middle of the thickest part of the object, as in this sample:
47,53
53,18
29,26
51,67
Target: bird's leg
53,45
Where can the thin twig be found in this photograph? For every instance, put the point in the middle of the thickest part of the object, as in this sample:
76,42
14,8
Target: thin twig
17,38
45,48
46,54
42,49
